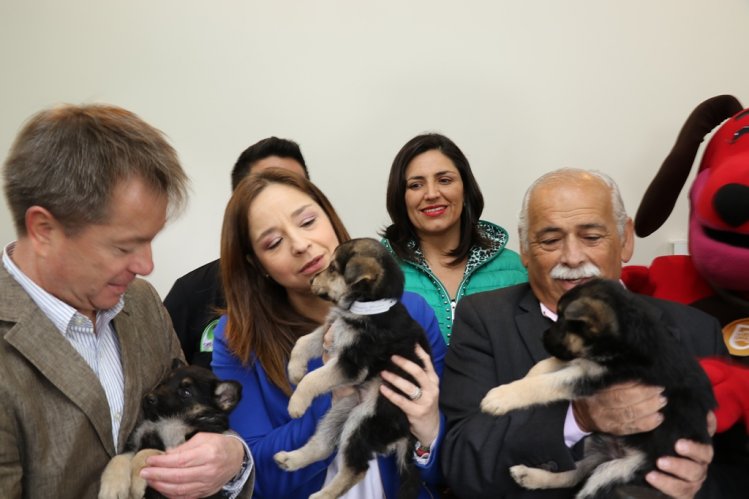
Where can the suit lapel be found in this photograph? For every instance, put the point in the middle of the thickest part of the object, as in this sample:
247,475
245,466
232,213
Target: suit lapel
36,338
132,358
531,325
652,305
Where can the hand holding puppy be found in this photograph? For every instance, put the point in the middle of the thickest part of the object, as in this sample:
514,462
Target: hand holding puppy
622,409
423,411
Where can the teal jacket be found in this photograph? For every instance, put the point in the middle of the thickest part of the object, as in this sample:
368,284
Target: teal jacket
487,269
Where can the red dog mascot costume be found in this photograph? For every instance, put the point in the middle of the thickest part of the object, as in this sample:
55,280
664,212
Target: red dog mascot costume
715,276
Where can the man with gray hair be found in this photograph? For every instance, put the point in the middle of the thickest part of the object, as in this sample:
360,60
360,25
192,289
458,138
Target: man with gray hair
82,339
573,227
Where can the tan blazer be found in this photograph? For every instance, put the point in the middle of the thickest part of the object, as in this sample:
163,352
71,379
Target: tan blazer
55,429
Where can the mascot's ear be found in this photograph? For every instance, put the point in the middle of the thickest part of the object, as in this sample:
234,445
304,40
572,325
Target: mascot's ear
661,195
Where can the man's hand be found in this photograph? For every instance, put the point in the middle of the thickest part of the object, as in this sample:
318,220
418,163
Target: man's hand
198,468
622,409
630,408
682,477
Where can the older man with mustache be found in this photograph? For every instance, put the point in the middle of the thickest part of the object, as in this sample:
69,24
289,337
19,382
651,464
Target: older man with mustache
573,227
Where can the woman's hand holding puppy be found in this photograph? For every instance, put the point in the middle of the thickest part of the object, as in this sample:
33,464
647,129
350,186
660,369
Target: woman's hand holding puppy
422,411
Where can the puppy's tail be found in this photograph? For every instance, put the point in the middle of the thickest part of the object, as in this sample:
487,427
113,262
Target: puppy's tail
410,479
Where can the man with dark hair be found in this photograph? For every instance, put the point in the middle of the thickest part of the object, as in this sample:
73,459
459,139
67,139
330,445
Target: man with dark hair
268,153
82,338
195,297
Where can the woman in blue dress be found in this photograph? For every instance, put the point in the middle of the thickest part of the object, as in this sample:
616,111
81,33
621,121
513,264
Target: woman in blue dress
279,230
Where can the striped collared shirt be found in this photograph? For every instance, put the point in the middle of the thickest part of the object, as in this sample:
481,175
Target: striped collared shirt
98,346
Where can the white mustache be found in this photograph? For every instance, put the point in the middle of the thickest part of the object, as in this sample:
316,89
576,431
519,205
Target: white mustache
585,271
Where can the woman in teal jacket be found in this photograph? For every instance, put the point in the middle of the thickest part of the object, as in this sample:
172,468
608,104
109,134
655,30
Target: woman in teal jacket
445,251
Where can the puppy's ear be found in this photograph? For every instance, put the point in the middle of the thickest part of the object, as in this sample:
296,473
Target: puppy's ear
176,362
227,395
362,269
593,315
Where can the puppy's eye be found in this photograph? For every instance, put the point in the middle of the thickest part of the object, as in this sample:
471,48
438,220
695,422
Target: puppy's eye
184,393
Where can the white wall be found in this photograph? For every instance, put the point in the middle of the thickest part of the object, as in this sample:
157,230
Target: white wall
522,88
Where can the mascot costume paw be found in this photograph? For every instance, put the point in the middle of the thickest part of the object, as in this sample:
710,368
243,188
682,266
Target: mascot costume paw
714,277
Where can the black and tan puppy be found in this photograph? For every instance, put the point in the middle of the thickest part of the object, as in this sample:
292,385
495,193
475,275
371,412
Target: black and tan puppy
190,400
605,335
369,325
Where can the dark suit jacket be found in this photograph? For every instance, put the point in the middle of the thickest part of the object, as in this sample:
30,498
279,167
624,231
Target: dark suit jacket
192,304
497,339
55,428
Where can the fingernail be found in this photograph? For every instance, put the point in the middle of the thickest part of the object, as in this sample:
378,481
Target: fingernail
682,447
663,400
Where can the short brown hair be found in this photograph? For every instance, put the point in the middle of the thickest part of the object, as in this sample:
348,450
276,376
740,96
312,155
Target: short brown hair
69,159
261,323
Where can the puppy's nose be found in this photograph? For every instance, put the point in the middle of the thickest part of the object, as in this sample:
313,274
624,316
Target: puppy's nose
151,399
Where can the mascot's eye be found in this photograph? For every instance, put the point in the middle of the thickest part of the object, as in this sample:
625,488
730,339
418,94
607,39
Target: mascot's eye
184,393
739,133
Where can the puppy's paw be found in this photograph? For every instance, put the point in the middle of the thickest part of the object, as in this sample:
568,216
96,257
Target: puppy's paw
519,473
288,461
500,401
111,489
297,370
322,495
115,480
139,460
529,478
298,404
137,484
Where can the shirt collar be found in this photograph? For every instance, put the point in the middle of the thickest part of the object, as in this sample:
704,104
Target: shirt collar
551,315
60,313
548,313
